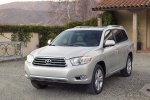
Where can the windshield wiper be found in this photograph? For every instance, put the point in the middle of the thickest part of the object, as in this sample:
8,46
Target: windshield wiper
71,45
74,45
52,45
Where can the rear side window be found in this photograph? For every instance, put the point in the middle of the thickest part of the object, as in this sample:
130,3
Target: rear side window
125,37
118,36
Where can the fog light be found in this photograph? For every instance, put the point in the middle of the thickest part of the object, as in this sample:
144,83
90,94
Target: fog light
26,75
83,77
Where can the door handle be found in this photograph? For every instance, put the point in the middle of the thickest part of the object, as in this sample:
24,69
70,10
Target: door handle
117,51
126,45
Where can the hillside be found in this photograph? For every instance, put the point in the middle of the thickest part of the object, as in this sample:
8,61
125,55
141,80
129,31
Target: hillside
41,13
36,6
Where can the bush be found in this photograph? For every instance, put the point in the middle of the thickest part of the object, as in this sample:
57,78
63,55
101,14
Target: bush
108,18
73,24
91,22
24,32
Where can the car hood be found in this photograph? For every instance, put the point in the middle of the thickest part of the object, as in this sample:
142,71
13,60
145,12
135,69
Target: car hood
61,51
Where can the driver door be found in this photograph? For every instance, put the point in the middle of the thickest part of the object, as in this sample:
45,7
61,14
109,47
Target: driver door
111,53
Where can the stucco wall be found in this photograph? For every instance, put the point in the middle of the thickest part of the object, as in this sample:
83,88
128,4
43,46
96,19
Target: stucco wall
142,26
3,39
30,47
148,29
125,18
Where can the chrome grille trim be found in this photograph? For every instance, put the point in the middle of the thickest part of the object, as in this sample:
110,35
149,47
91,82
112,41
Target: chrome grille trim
50,62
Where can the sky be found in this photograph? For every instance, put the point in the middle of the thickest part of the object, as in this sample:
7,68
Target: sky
8,1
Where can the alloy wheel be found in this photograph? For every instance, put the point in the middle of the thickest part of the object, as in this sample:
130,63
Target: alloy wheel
98,80
129,66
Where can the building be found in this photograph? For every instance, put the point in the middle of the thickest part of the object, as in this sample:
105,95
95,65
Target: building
134,15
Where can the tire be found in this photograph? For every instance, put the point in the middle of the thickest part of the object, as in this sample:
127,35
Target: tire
96,85
126,72
38,85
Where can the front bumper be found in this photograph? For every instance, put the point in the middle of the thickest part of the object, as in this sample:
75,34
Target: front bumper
70,74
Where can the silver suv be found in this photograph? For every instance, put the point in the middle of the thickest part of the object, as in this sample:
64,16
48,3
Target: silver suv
81,55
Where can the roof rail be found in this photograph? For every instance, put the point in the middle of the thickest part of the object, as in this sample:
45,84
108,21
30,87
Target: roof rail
83,26
114,26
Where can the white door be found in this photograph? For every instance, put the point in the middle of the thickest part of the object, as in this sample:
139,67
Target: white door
111,53
121,43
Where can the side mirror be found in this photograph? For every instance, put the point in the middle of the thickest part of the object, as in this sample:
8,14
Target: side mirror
49,42
109,43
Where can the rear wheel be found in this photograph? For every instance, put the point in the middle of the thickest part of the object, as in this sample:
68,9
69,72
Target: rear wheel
126,72
96,85
38,84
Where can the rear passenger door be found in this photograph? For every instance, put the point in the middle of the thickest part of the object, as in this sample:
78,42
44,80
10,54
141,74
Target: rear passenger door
121,44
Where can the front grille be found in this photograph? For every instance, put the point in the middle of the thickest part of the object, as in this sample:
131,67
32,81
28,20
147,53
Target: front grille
50,62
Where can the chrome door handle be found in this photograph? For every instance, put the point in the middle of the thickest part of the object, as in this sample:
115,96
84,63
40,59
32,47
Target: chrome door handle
117,51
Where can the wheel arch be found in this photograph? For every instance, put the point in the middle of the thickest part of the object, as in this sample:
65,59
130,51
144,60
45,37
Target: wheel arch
102,63
131,55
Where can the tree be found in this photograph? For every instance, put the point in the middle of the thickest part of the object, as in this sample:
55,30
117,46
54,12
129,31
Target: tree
71,10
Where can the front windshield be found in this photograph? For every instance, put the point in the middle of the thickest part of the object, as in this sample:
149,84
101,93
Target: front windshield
78,38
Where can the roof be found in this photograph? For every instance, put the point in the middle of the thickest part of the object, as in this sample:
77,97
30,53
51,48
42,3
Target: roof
95,28
85,29
121,4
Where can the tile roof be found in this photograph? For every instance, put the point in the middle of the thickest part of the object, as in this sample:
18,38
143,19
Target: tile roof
122,4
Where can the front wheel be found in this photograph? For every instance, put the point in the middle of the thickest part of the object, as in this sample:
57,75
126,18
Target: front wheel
96,85
38,85
126,72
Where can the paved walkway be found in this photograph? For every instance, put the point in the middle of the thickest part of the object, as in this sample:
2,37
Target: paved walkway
14,85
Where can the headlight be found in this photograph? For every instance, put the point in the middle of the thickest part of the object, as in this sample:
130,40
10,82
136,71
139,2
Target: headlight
80,60
30,58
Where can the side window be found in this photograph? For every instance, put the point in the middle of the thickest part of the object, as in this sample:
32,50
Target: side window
125,37
118,36
108,36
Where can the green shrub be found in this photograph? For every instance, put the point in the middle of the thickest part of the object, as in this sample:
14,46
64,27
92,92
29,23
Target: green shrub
108,18
91,22
24,32
73,24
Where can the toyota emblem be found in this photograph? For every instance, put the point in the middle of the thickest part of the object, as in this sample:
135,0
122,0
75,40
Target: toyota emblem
48,61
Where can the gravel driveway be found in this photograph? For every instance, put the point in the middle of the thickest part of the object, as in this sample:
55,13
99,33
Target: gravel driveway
14,85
